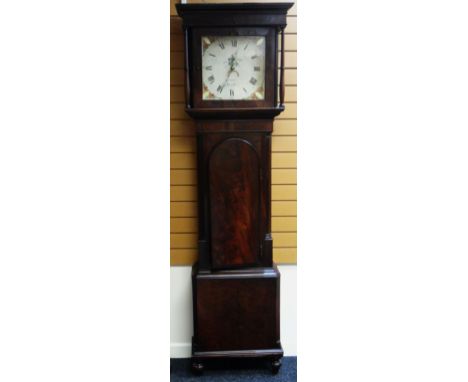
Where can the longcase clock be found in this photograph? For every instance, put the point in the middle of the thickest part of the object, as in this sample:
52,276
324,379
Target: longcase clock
234,87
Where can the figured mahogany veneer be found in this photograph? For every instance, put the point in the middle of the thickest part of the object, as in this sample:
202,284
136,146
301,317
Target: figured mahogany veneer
234,188
237,310
234,182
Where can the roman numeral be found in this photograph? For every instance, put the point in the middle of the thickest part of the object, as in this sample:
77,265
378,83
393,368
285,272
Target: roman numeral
256,68
212,55
219,89
254,57
209,67
253,81
234,43
231,93
246,45
245,90
221,45
211,79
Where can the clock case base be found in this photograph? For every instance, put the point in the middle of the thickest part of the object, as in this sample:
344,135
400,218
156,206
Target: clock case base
236,315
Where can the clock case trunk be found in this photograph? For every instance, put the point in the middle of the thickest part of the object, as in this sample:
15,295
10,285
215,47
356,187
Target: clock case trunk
235,284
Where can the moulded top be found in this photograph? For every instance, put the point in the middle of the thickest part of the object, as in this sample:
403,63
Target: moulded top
251,7
225,14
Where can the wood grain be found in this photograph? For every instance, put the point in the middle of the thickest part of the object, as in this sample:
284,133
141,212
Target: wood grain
279,208
189,256
189,193
189,240
284,224
184,209
234,194
183,161
187,161
188,177
283,208
177,113
283,160
176,25
186,144
189,225
292,11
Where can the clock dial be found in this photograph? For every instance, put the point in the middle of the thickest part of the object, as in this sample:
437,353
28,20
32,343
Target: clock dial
233,67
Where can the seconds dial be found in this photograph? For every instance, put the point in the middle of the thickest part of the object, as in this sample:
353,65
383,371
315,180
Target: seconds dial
233,67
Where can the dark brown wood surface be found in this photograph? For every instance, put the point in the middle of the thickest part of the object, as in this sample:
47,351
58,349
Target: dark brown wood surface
234,187
236,314
236,310
234,14
281,86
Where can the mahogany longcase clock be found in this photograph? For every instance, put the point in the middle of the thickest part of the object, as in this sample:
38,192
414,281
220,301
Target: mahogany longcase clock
233,90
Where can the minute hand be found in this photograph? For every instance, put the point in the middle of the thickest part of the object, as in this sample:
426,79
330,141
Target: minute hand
227,78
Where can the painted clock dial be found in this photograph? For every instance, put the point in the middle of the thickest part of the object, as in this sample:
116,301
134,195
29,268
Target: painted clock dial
233,67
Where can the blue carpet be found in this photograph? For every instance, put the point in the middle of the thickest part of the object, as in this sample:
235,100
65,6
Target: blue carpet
251,370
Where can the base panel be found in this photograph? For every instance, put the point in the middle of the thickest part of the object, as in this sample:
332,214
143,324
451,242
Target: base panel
201,358
236,315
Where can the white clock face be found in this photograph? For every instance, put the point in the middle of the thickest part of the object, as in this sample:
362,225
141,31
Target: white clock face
233,67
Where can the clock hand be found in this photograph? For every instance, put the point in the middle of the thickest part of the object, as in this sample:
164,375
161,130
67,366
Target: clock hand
235,63
232,64
227,78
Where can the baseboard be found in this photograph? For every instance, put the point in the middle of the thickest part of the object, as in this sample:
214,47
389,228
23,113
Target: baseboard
184,350
181,350
240,369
